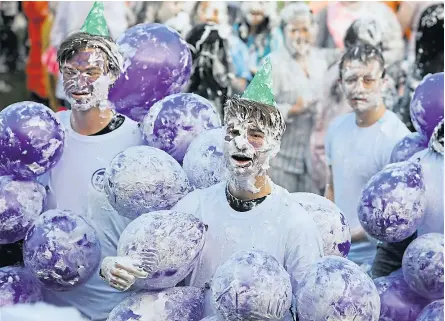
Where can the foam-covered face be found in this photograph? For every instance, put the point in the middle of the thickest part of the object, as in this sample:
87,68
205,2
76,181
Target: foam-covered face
85,80
298,35
209,11
248,149
362,84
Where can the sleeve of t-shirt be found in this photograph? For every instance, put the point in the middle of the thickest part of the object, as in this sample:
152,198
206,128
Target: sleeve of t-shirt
399,131
189,204
303,247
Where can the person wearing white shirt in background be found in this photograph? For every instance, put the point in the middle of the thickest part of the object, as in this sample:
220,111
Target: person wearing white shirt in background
248,212
359,144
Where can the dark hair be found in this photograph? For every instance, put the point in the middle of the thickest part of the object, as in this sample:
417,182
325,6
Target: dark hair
352,37
82,40
265,115
363,53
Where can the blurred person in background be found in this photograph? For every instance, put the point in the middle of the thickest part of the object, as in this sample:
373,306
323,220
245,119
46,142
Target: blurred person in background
297,77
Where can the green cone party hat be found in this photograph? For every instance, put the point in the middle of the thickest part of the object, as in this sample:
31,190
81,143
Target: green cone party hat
260,88
95,23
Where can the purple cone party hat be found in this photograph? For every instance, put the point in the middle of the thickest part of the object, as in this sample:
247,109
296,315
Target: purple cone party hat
260,88
95,23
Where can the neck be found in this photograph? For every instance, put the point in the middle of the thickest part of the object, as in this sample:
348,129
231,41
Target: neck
369,117
262,184
90,121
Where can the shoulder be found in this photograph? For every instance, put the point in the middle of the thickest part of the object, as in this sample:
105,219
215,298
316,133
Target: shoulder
340,121
392,126
191,202
64,117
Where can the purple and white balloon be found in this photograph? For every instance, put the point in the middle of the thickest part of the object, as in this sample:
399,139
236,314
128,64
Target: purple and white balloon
251,285
393,202
427,106
337,289
18,286
332,224
173,122
157,63
432,312
175,238
423,265
174,304
31,140
61,250
21,202
408,146
398,301
144,179
204,161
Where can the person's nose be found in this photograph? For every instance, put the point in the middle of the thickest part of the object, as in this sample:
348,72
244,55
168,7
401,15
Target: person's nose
241,142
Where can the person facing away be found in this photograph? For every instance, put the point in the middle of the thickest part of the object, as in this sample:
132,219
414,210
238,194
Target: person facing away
359,144
246,212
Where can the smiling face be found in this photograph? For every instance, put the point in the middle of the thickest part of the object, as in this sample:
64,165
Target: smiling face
85,79
362,84
298,35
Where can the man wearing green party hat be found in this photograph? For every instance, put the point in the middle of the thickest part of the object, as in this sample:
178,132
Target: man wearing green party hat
248,211
90,63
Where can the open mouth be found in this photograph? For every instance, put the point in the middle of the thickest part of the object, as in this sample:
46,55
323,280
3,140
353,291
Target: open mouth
80,95
242,160
359,99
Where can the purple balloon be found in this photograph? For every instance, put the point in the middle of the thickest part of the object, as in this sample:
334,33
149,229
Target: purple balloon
397,300
426,107
17,286
157,63
251,285
423,265
337,289
176,240
31,140
21,202
174,304
432,312
176,120
62,250
393,202
408,146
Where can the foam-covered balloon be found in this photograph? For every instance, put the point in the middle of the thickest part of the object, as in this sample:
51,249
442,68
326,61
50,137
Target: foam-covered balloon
398,301
211,318
31,140
204,161
393,202
332,224
423,265
432,312
62,250
21,202
18,286
426,107
144,179
173,122
174,304
408,146
337,289
175,238
157,63
251,285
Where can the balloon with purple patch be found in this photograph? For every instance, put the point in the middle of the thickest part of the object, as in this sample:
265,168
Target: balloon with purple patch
173,122
337,289
62,250
157,63
204,161
21,202
408,146
427,106
393,202
423,265
176,240
332,224
398,301
144,179
173,304
432,312
251,285
31,140
18,286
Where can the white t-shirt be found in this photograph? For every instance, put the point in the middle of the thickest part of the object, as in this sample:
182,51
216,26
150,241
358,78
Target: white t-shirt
356,154
76,183
278,225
